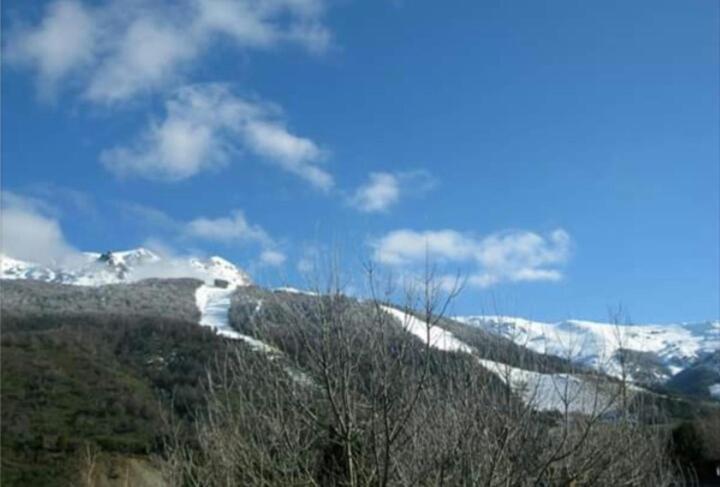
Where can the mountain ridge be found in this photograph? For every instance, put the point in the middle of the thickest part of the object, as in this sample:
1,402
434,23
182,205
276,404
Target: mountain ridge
646,353
113,267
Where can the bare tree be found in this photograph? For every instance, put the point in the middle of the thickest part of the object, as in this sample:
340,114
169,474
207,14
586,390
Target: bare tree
251,432
346,394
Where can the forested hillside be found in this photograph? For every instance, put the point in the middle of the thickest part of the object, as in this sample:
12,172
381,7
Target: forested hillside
119,384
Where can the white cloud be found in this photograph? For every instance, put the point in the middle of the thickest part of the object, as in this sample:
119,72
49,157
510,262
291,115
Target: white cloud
272,258
119,49
384,189
179,147
232,228
404,247
65,200
379,193
29,233
292,153
148,55
128,47
228,229
260,24
233,19
516,256
204,125
305,265
61,43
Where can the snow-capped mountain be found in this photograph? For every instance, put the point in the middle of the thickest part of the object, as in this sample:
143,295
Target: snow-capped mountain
650,353
94,269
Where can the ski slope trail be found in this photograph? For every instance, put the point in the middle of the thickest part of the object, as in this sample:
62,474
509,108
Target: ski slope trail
439,338
214,305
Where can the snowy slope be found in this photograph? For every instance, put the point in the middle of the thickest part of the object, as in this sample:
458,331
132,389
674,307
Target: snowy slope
668,348
547,392
95,269
214,305
541,391
439,338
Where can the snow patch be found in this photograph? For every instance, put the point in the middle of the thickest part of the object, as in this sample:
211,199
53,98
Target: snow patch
715,390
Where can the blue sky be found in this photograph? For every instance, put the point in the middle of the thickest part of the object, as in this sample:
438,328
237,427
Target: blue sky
563,156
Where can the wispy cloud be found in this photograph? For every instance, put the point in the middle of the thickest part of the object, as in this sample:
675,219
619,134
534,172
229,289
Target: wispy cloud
378,194
231,229
203,126
121,48
148,55
385,189
272,258
227,229
65,200
149,217
310,259
117,50
294,154
513,256
62,43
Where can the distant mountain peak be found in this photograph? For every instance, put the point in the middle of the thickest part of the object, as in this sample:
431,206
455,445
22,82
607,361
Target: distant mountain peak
652,353
117,266
219,268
